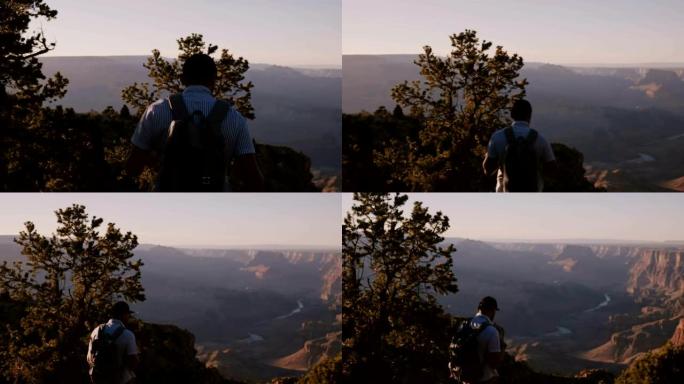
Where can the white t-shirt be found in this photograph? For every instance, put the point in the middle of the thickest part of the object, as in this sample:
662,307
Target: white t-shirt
497,147
125,345
487,342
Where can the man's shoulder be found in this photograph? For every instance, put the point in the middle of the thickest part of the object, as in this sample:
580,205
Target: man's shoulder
234,117
157,106
500,132
127,337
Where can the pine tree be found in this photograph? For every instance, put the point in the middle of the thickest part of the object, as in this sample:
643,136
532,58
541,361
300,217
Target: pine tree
166,77
394,269
125,113
66,286
23,91
462,99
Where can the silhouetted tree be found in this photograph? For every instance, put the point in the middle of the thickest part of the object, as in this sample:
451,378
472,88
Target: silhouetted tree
394,267
23,89
398,112
663,365
67,284
166,77
125,112
462,99
328,371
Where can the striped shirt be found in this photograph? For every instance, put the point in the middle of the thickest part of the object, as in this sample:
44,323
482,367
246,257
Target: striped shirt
151,131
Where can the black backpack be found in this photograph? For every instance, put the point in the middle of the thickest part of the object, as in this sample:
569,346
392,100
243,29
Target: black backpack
520,162
464,360
107,364
194,158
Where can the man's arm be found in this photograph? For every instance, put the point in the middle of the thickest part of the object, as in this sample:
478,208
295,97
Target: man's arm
131,359
495,352
491,161
132,362
247,169
490,165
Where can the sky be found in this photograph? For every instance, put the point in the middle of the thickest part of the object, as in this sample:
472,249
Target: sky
551,31
199,220
291,33
597,216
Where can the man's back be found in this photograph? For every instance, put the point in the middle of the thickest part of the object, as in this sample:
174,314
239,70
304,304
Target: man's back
152,130
125,346
497,151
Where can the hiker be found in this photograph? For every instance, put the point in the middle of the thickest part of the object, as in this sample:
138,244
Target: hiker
478,347
196,137
112,351
519,154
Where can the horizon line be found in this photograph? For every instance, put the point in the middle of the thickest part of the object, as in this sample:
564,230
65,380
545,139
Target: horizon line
293,247
605,241
319,66
677,63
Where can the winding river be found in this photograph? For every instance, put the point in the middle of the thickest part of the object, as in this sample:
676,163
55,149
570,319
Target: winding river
604,303
295,311
562,331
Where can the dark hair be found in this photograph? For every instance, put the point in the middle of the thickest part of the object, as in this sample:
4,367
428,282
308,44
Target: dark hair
199,69
522,110
119,309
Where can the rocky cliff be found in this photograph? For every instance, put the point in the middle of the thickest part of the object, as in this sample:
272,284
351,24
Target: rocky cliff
168,355
678,336
656,281
312,353
658,272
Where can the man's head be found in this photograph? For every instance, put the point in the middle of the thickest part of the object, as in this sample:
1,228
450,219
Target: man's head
488,307
121,311
199,69
521,110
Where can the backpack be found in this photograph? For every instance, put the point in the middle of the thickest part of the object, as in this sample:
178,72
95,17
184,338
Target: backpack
107,364
464,360
194,158
520,163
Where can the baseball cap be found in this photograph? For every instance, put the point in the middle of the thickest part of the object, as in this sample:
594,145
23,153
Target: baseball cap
488,302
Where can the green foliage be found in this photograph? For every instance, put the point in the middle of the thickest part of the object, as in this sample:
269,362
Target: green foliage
393,270
328,371
662,366
21,73
367,136
66,286
166,77
23,87
461,100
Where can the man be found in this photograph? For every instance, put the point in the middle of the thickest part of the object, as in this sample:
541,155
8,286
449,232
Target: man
519,154
150,137
112,351
490,346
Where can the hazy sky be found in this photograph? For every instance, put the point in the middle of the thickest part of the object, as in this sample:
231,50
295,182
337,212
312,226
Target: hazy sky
311,219
555,31
611,216
292,32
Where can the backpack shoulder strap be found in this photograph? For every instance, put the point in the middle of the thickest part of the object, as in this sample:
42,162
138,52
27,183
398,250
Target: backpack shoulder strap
178,109
217,114
532,136
484,326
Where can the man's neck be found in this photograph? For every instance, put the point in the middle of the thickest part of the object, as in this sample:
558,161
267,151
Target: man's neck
197,88
479,313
